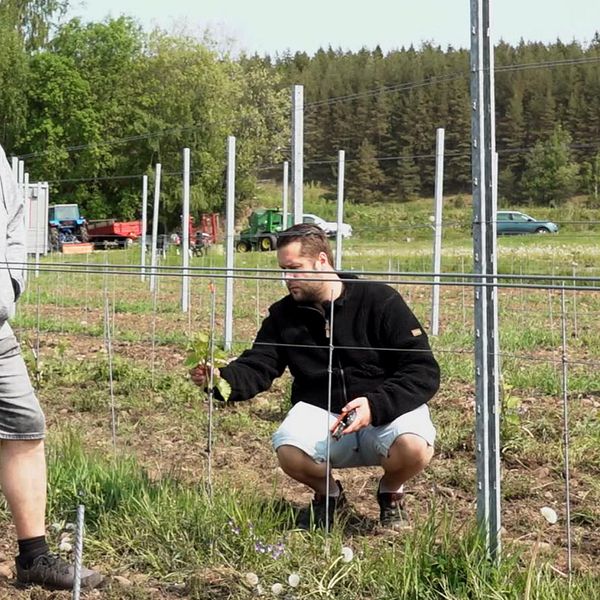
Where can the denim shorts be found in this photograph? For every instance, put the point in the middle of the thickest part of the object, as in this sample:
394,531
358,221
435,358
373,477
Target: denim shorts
21,417
307,427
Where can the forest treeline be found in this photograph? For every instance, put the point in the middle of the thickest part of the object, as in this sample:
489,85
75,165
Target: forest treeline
383,110
91,107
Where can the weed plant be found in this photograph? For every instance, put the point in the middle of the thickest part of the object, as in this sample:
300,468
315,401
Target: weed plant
165,523
175,532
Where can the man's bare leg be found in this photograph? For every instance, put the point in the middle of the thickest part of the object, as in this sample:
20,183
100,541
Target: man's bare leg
23,482
301,467
408,456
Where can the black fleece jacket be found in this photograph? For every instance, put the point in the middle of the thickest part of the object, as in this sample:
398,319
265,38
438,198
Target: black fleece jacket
380,351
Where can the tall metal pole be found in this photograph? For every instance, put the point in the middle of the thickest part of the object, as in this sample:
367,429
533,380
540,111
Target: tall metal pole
14,165
155,214
21,196
437,223
185,231
230,220
484,255
39,215
27,219
340,210
298,152
144,225
20,172
284,194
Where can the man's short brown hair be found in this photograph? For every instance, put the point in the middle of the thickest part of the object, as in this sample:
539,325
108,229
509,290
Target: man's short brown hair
313,240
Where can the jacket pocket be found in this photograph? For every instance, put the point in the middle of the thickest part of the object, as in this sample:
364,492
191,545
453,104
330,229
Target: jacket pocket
363,379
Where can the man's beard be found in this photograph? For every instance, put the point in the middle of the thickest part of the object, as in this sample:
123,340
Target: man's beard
308,291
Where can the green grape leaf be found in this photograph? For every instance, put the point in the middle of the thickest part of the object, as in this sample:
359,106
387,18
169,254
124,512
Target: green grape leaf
192,360
199,353
223,387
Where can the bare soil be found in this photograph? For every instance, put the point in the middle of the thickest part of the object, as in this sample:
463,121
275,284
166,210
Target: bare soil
164,445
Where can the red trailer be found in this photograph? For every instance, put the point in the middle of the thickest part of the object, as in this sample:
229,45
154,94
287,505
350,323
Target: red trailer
205,234
106,233
209,225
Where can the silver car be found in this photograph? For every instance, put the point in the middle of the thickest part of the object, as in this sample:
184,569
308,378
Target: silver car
329,227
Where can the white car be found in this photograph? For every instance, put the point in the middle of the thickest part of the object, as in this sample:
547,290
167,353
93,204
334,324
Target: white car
329,227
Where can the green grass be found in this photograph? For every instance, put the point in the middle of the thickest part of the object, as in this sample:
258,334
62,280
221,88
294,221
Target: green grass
176,532
159,519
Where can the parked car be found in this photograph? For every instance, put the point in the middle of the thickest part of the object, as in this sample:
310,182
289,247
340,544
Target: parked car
329,227
513,222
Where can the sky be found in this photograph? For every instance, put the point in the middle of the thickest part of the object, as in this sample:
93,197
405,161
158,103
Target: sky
267,26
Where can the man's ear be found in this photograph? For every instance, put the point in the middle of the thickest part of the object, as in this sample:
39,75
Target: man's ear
322,260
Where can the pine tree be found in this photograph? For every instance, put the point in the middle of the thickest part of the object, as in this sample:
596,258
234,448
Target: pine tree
408,181
365,176
551,175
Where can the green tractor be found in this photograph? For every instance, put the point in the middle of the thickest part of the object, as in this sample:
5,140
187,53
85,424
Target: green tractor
264,223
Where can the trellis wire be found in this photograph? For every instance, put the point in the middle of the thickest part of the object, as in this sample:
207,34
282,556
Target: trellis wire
37,335
154,292
108,341
87,262
565,398
257,301
563,359
575,327
58,296
463,291
551,313
114,305
211,382
327,434
189,311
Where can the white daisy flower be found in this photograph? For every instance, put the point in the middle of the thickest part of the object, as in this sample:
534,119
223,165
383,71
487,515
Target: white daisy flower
277,589
251,579
347,554
294,580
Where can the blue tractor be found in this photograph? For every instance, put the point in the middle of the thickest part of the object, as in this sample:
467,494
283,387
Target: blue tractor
65,225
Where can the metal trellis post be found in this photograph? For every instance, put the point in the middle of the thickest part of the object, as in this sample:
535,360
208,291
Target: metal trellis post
437,239
340,210
144,225
185,232
484,256
155,213
298,152
230,220
284,194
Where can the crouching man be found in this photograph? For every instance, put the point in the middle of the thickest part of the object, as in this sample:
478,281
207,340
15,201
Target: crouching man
383,374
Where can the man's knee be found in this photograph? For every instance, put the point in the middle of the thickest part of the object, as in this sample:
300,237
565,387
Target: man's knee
24,448
411,449
293,460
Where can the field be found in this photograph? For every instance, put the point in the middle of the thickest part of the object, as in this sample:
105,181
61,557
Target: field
168,519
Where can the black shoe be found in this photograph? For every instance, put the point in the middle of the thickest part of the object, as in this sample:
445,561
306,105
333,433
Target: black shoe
51,571
314,516
391,511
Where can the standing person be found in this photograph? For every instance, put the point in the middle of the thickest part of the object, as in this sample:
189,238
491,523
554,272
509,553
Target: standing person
382,371
22,425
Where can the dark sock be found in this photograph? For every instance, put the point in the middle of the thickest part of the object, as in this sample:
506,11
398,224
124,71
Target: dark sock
30,549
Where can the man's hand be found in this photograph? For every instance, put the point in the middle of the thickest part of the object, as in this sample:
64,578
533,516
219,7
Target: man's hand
200,375
363,415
